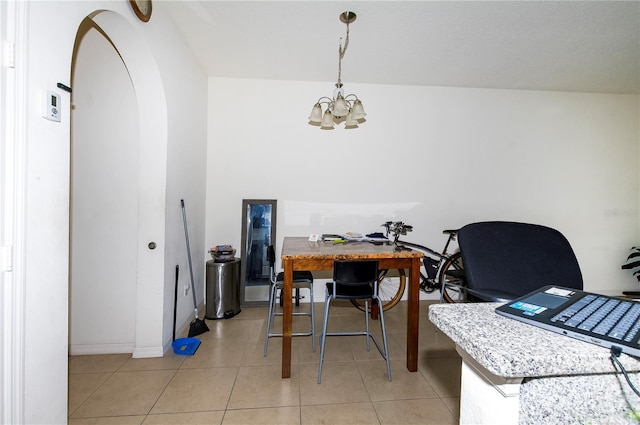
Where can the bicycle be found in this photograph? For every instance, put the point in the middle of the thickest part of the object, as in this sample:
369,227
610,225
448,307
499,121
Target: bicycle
439,268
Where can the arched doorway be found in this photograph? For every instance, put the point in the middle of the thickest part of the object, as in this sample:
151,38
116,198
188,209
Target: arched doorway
104,198
118,192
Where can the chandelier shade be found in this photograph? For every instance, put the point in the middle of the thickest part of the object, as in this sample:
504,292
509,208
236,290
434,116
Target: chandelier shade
327,121
357,111
316,114
350,121
339,108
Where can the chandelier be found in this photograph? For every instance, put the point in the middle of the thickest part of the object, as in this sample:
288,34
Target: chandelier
340,108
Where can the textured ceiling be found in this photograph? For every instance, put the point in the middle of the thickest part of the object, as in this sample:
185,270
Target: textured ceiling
590,46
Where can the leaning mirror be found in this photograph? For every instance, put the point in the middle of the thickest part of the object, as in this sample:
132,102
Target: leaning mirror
258,232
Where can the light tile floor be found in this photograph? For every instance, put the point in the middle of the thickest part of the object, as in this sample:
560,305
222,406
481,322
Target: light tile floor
228,381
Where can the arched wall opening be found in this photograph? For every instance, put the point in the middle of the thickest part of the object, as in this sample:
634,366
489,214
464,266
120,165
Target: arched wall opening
121,310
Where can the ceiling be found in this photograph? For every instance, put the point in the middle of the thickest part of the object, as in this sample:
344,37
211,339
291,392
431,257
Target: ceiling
584,46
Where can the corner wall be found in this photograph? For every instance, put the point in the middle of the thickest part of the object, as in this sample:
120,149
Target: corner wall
46,145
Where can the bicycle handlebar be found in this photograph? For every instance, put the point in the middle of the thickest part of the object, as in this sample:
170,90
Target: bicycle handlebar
396,228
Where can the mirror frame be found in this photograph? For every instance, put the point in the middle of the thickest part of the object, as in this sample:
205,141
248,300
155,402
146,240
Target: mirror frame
247,203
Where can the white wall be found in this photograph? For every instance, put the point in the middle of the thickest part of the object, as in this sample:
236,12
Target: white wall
45,249
186,89
46,216
433,157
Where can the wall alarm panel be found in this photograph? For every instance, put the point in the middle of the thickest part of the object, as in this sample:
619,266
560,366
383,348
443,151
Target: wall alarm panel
52,106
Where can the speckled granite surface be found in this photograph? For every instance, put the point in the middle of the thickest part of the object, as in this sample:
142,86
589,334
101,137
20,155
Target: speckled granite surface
512,349
565,380
586,399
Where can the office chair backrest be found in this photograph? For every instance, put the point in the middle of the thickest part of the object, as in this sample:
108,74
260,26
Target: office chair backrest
355,272
516,258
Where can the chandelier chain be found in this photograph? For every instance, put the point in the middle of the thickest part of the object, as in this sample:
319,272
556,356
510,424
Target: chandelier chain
341,51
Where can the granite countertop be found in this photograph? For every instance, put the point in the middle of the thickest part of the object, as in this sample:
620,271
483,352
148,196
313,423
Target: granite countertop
511,349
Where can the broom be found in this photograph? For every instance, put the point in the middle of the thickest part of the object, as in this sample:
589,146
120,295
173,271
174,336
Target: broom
198,326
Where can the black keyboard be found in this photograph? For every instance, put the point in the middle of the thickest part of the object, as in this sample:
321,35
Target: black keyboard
603,316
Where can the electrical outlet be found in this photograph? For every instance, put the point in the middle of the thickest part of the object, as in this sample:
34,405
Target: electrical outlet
186,290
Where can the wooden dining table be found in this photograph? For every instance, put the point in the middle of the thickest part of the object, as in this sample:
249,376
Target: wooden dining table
299,253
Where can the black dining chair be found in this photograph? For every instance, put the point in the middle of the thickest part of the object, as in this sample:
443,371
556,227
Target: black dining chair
301,280
504,260
354,280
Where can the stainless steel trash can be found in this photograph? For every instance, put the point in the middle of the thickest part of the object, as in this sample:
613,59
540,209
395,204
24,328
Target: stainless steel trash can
223,289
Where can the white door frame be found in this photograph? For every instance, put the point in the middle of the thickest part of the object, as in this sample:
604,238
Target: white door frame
13,25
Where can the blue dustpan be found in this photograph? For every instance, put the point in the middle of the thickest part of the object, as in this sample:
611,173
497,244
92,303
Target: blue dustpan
185,346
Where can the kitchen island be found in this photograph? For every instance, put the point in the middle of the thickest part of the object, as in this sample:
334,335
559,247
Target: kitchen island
515,373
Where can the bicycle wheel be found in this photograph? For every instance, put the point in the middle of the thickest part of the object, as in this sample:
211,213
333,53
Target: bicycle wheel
390,289
452,271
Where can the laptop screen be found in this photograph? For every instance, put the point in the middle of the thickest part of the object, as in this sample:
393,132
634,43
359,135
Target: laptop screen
541,301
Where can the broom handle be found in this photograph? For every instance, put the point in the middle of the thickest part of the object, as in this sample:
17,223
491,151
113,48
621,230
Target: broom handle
175,302
186,235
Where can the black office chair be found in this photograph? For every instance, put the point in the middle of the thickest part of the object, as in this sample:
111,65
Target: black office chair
505,260
301,279
354,280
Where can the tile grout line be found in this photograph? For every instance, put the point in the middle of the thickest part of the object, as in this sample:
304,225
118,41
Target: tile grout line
69,414
235,381
175,372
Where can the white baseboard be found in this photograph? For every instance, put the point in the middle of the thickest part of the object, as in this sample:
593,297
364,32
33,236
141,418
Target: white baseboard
90,349
147,352
136,353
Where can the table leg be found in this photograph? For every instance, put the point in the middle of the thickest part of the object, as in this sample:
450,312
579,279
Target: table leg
374,309
286,318
413,316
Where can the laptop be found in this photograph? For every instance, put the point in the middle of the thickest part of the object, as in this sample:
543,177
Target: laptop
598,319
